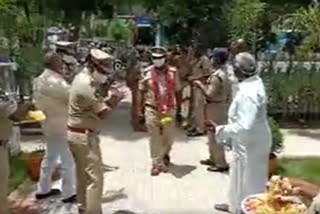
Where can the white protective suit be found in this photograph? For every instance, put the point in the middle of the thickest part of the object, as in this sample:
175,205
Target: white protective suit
51,95
250,135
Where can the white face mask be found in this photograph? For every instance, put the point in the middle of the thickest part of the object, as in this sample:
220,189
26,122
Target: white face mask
100,78
159,62
233,79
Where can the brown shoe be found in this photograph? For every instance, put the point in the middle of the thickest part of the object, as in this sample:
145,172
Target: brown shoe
222,207
155,171
207,162
164,168
166,160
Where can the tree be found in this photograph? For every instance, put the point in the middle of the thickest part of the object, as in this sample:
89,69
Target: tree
306,21
244,19
185,19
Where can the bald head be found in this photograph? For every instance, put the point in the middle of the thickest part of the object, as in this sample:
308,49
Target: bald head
245,64
53,61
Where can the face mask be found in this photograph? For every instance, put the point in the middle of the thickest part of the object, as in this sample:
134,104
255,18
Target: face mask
159,62
100,78
234,79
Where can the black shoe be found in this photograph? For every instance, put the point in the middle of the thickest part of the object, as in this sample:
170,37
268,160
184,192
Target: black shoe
166,160
195,134
207,162
49,194
222,207
218,169
72,199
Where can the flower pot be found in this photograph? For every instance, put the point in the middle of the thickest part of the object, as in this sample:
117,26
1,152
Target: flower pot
34,164
272,163
33,161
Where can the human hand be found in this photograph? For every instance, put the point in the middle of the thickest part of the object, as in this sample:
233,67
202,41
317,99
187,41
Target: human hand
197,83
210,126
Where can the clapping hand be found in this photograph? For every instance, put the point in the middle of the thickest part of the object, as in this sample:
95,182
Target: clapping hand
197,83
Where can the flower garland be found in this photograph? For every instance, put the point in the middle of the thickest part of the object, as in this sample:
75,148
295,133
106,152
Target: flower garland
164,103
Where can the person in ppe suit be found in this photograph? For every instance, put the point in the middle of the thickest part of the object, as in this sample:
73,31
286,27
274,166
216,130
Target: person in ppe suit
51,94
216,91
249,132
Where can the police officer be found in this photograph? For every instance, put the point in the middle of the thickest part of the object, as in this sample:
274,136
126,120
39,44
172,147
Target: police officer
133,75
8,113
67,50
87,109
157,94
201,68
216,91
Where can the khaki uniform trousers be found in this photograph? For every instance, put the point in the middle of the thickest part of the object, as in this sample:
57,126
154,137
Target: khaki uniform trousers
161,138
4,178
198,113
217,112
134,110
87,156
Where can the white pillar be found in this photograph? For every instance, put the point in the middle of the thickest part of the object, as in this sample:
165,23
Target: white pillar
158,35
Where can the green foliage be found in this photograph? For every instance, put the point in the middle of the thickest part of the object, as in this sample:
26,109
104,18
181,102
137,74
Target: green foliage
277,137
302,168
305,20
290,93
18,171
119,30
244,19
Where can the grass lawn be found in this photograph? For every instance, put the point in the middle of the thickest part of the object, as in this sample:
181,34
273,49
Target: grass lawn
307,169
18,172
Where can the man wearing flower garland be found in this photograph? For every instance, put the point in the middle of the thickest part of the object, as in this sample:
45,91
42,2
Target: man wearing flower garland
157,91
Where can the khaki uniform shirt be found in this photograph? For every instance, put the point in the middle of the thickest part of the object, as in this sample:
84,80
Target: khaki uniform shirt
218,86
145,85
201,67
85,103
315,206
7,108
217,89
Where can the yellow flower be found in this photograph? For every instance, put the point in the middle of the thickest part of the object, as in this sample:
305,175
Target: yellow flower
166,120
36,115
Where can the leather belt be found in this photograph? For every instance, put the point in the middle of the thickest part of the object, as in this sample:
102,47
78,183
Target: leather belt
80,130
213,101
3,142
150,106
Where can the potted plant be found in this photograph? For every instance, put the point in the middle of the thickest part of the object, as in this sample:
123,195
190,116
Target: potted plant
33,161
277,144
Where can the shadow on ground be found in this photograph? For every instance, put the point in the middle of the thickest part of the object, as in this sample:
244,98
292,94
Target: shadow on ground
124,212
118,126
179,171
110,196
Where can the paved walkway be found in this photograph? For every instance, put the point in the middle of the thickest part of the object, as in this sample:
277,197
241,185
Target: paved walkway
188,188
301,142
